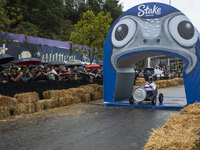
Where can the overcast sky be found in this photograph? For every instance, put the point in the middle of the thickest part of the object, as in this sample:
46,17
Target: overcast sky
191,8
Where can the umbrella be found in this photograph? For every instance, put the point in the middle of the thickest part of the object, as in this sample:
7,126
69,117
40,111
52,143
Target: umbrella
84,64
5,58
27,61
59,63
74,62
93,66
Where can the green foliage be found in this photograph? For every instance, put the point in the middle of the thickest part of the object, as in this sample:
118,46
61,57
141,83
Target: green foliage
52,19
141,64
27,29
91,31
65,31
47,16
9,15
113,7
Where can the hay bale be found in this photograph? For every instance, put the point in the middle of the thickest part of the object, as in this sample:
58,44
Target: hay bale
96,95
157,86
65,101
100,89
4,112
86,98
76,100
30,97
66,93
88,89
94,86
158,82
135,87
39,106
193,109
24,108
51,103
180,132
175,83
181,81
141,79
170,82
78,92
163,86
52,94
139,82
9,102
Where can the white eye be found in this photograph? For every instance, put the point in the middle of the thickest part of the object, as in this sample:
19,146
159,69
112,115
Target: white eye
123,32
183,31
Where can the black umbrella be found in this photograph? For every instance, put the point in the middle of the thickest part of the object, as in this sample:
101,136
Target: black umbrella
27,61
59,63
74,62
5,58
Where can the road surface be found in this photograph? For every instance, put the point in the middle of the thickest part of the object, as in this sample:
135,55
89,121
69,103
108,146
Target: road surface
91,126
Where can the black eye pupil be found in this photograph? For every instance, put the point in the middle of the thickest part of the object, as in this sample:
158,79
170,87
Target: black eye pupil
186,30
121,32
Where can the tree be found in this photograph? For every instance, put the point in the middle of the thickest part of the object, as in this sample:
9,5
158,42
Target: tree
141,64
9,15
90,34
65,31
95,6
48,17
74,9
113,7
27,28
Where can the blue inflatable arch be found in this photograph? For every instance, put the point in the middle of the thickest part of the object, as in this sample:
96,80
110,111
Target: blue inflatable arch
147,30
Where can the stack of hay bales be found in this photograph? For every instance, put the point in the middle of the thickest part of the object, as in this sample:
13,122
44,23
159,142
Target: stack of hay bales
180,132
169,83
7,106
4,112
139,82
4,109
82,94
26,103
160,83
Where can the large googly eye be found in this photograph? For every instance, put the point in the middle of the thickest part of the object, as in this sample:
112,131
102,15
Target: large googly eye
123,32
183,31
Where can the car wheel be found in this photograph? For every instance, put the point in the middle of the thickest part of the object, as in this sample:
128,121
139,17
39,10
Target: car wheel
131,99
160,97
153,100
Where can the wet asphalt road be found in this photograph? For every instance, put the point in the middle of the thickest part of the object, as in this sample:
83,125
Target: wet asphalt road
91,126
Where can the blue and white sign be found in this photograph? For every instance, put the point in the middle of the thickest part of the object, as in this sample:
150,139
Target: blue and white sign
146,30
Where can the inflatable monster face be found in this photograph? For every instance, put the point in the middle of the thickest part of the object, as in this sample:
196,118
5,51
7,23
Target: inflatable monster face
147,30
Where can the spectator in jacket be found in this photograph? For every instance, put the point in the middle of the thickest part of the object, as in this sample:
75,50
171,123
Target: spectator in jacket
3,75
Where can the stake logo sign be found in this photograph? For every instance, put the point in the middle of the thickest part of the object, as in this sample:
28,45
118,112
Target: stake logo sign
148,11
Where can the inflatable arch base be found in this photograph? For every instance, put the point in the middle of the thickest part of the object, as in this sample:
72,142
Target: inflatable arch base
170,102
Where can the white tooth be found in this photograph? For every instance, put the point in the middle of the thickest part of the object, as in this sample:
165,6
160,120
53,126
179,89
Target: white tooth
192,58
157,26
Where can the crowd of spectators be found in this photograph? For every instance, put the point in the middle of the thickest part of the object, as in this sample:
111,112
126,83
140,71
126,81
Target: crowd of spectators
42,73
164,73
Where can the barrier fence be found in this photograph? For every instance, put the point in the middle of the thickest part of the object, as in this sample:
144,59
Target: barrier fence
12,88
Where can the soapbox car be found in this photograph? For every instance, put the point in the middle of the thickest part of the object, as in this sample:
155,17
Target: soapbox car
145,93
